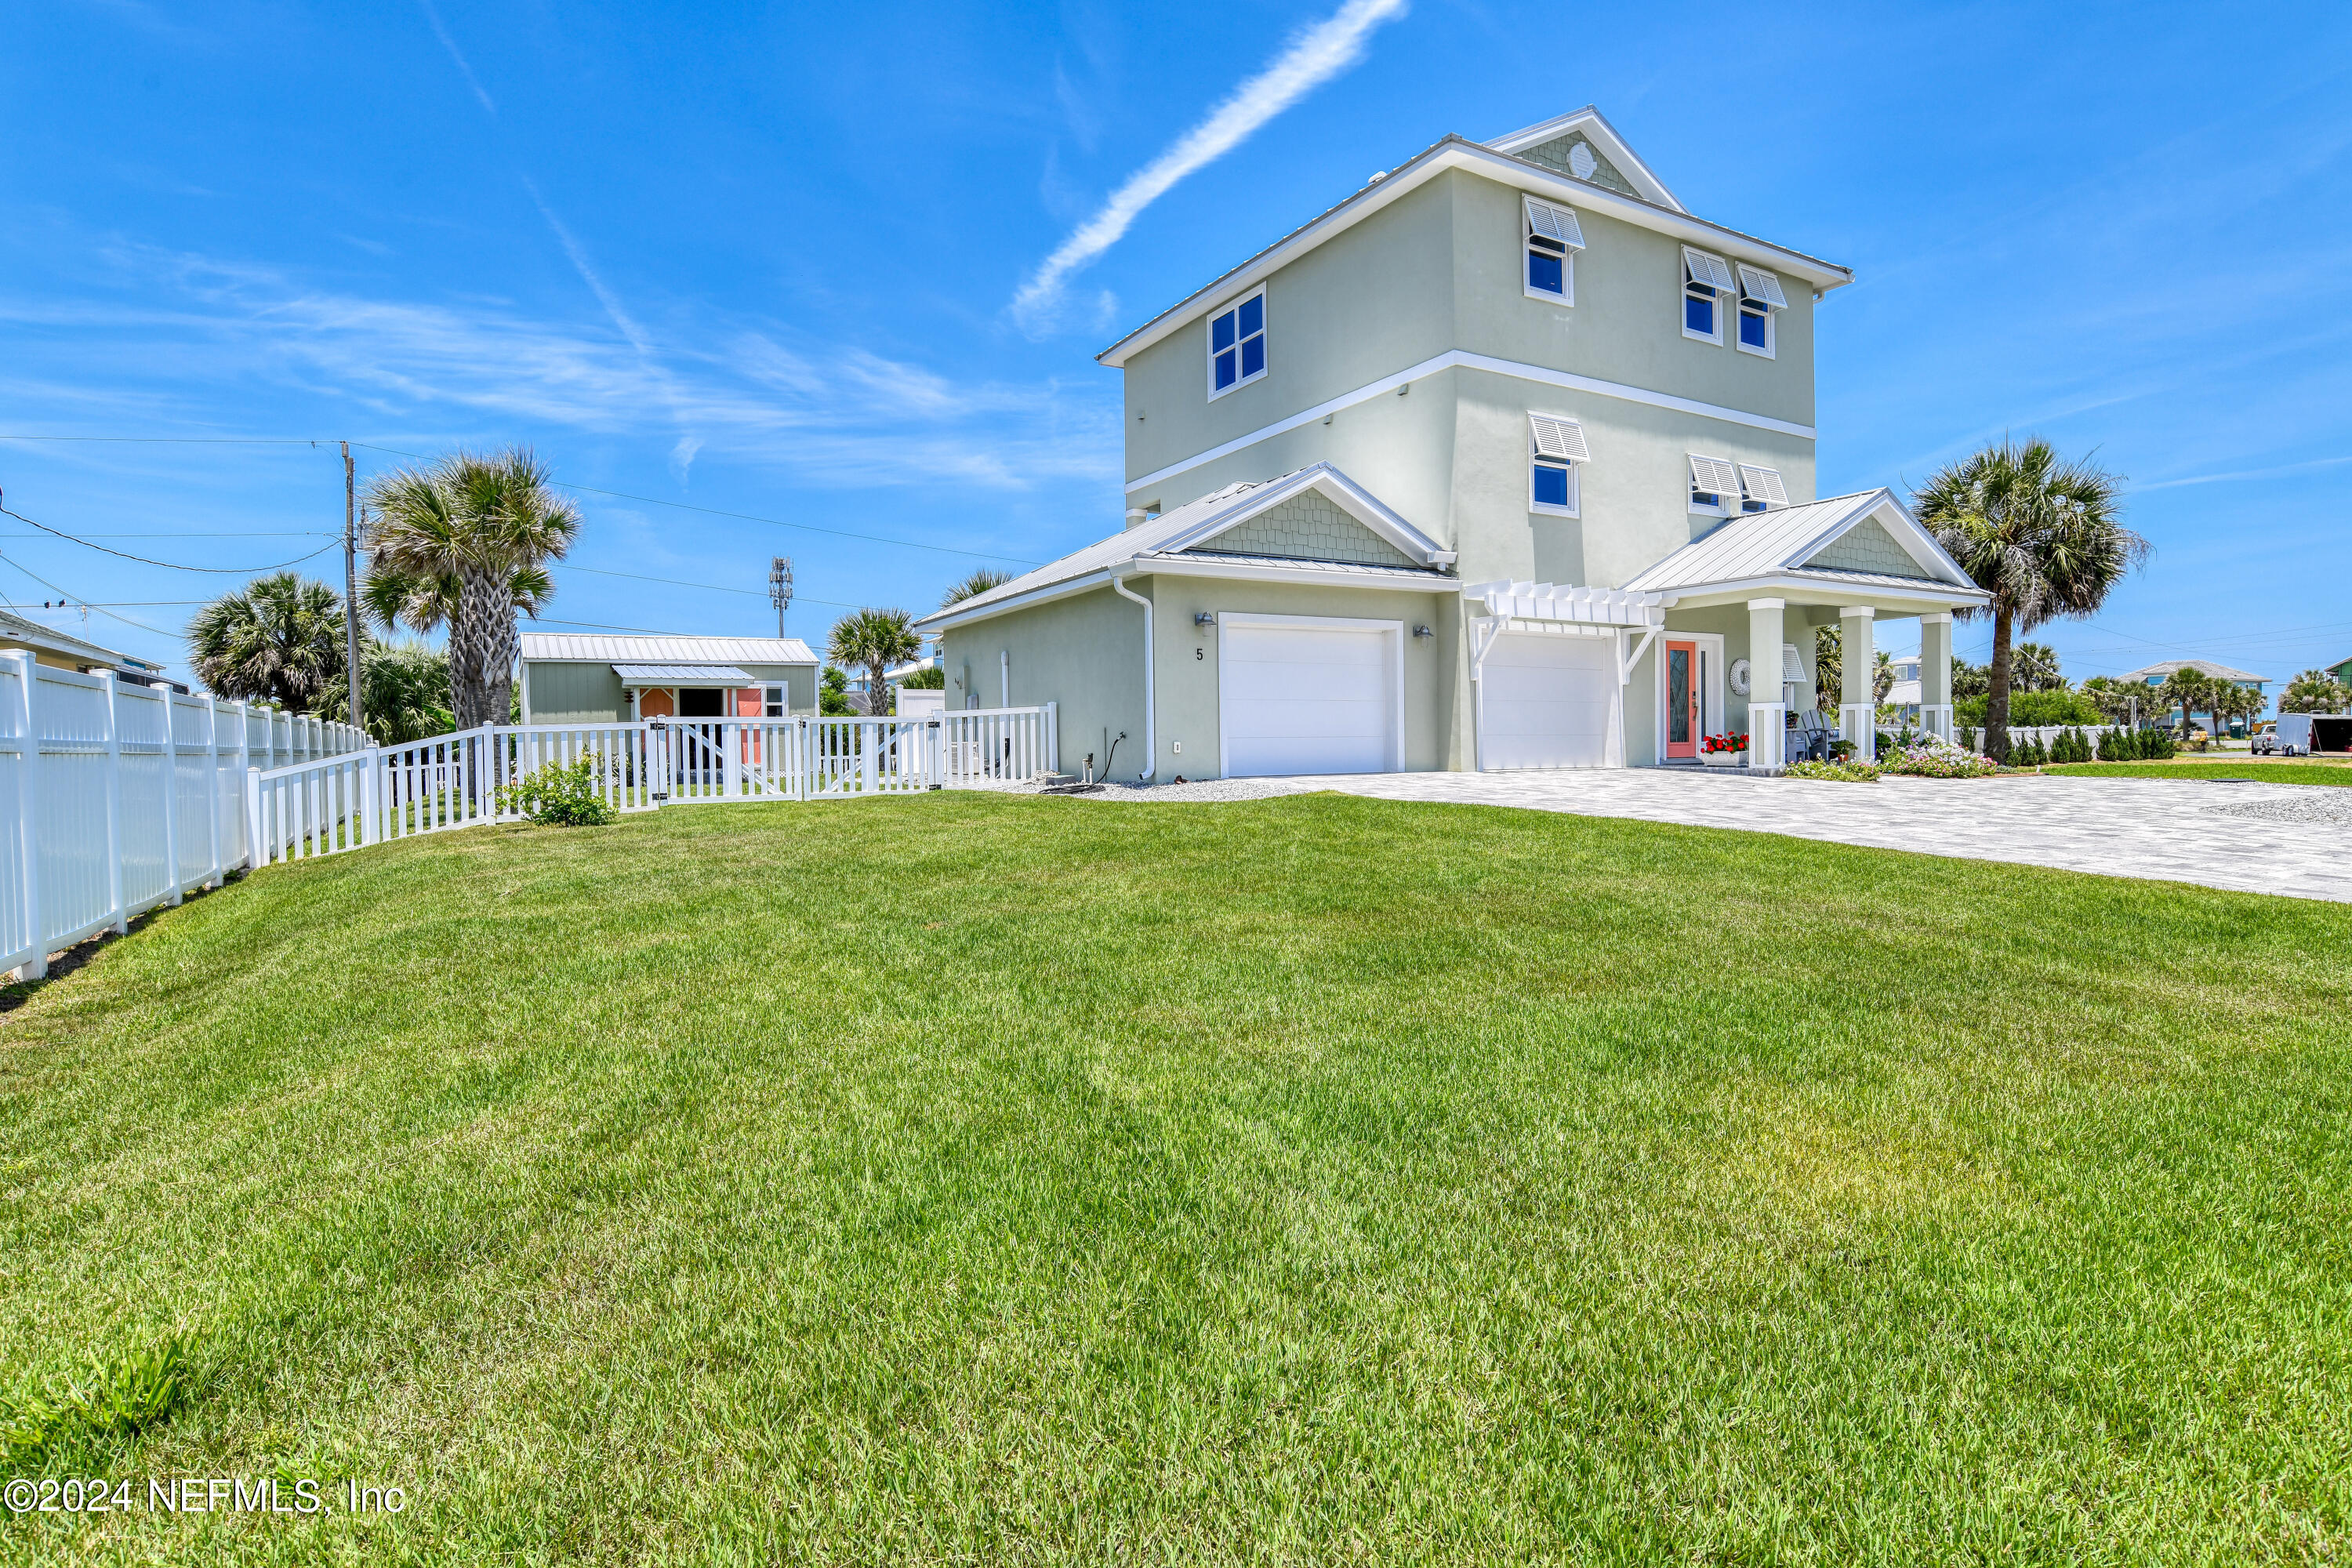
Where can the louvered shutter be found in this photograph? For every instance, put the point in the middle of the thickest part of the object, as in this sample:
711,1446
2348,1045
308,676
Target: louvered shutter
1705,268
1560,439
1714,475
1762,287
1762,484
1554,223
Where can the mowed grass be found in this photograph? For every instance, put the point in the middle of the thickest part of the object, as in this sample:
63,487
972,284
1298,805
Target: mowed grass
2262,769
981,1180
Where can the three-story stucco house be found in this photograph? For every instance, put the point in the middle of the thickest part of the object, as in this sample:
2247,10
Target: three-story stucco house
1505,461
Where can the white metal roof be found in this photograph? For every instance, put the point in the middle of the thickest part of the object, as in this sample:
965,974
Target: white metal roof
600,648
681,675
1779,541
2204,667
18,628
1196,522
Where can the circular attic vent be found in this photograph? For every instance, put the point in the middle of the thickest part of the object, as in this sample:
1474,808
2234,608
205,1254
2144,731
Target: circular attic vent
1580,161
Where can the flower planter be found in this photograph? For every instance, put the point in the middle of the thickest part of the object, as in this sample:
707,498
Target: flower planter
1724,759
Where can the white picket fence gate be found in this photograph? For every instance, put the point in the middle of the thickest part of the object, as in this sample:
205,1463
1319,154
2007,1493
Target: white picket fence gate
330,804
123,796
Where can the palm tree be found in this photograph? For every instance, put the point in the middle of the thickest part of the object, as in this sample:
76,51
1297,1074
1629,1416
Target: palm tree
982,580
2185,689
404,691
2314,691
2033,667
2038,534
464,545
277,640
875,639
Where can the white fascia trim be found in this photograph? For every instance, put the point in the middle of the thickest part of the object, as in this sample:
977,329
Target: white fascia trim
1180,566
1919,544
1464,360
947,620
1808,590
1620,152
1532,179
1349,496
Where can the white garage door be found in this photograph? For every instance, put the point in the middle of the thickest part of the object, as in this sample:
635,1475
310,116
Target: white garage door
1547,702
1306,699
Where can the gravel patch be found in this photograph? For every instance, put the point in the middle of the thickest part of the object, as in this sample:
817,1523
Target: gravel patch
2318,803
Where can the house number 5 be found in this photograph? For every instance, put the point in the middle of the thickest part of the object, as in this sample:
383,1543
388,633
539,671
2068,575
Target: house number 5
1200,653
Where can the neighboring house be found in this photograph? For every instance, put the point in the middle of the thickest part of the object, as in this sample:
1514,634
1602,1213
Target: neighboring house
570,678
2158,674
1505,461
62,650
1903,695
2342,670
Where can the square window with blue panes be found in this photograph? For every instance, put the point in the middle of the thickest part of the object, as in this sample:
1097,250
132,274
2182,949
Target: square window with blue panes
1553,238
1237,345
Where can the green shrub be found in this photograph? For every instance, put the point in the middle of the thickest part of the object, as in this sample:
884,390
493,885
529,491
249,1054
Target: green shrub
2027,709
560,795
110,1400
1838,773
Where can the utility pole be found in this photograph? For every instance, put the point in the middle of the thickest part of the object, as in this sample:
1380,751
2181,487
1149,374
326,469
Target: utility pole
779,587
352,589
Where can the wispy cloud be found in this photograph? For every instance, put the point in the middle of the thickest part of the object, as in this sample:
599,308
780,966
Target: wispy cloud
450,44
1312,58
2272,473
752,391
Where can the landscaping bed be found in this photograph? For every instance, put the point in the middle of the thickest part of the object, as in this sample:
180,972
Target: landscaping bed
994,1178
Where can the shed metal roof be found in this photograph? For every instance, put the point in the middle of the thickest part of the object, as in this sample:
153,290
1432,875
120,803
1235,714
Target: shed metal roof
599,648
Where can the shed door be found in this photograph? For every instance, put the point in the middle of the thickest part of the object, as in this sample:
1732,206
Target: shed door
1301,699
1547,702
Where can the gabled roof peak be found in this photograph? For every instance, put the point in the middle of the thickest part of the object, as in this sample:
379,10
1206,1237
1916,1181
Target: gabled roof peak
1615,155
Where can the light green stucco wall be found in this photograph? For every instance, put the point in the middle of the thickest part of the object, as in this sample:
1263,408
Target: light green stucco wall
1085,654
587,693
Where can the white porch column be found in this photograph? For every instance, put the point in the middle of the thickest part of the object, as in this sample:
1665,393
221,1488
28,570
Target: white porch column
1768,714
1857,699
1936,674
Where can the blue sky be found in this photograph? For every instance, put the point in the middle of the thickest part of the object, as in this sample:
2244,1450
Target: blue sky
785,262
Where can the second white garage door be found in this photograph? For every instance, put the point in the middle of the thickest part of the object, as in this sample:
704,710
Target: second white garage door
1303,697
1547,702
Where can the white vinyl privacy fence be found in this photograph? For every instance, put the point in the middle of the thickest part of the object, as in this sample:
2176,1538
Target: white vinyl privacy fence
326,806
115,797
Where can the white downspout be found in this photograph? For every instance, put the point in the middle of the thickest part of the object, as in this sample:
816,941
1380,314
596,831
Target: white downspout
1151,712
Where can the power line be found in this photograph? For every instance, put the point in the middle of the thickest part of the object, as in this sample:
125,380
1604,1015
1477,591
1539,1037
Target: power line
708,587
241,533
167,565
109,614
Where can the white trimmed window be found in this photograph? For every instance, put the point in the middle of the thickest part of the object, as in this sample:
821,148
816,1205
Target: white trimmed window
1714,486
774,701
1707,289
1237,345
1556,450
1760,489
1761,304
1553,238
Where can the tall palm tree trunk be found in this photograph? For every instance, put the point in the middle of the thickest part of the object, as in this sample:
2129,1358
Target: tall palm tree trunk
1997,695
473,646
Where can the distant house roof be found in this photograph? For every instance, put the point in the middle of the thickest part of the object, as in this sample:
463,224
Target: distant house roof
1196,523
17,629
2155,674
1786,542
603,649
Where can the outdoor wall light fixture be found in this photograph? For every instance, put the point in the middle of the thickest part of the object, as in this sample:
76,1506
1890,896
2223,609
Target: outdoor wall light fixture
1204,618
1422,632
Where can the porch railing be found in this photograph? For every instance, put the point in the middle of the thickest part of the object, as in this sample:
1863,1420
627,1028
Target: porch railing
342,803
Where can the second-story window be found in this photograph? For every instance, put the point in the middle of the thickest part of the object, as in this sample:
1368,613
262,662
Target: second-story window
1714,486
1237,345
1760,489
1760,302
1706,285
1553,238
1556,450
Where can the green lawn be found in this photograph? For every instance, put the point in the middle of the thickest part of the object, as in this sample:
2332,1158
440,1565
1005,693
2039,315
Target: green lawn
990,1180
2261,768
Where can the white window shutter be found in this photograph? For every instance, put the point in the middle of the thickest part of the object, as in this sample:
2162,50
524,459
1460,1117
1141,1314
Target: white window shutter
1714,475
1702,267
1560,438
1762,287
1556,223
1792,666
1762,484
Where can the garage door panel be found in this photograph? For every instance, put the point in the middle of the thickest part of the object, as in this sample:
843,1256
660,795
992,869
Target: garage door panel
1300,700
1549,701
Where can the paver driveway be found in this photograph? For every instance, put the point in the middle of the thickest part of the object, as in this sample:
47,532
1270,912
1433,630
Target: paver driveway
2295,839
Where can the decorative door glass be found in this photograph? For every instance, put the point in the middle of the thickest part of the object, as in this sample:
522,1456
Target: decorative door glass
1682,704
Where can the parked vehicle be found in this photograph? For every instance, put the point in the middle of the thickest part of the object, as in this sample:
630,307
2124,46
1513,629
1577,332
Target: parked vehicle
2301,734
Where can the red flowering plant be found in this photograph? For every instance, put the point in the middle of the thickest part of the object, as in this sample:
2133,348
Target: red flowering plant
1723,743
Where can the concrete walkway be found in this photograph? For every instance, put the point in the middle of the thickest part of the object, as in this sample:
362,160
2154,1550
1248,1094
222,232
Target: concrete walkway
2293,839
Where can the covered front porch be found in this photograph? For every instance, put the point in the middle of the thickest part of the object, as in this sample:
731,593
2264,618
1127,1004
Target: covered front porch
1739,608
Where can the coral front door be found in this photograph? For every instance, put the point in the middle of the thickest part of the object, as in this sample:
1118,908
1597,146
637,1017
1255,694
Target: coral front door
1682,700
